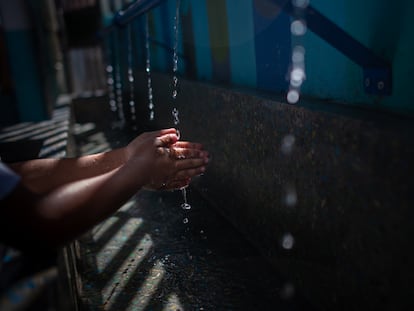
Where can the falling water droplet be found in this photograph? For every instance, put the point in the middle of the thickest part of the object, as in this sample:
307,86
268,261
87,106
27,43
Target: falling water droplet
298,28
296,76
288,241
298,55
175,49
131,78
288,143
175,112
148,69
112,104
301,4
185,206
118,81
185,220
176,118
291,196
110,81
293,96
287,292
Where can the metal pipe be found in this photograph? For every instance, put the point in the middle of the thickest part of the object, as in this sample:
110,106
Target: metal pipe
134,10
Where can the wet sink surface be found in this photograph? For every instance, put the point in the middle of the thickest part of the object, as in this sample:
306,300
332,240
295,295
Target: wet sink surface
154,255
148,257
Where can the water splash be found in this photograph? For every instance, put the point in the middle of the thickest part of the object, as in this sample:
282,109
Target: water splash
148,69
185,205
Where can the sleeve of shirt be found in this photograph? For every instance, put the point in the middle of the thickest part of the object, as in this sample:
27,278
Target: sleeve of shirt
8,180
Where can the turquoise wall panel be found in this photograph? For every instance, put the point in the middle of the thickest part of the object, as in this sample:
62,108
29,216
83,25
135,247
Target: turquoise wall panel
23,65
219,40
325,66
138,39
273,46
387,28
157,33
201,40
168,16
384,27
248,43
242,42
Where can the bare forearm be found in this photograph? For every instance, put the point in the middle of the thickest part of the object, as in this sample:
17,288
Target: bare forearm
96,199
43,175
60,216
59,199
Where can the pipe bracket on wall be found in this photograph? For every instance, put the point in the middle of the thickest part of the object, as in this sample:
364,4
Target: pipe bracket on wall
377,72
129,13
378,81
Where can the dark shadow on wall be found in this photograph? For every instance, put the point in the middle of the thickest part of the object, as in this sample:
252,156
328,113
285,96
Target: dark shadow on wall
153,254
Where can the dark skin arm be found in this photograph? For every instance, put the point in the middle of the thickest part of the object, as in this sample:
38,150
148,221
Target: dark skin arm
43,175
34,215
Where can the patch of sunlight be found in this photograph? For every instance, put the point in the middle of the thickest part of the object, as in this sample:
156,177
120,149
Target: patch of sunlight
127,206
126,270
106,254
99,230
141,299
173,304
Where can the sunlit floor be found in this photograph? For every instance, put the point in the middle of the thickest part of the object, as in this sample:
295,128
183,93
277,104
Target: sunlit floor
45,139
153,255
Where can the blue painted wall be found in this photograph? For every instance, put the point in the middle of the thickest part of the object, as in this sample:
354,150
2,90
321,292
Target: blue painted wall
24,67
383,26
248,43
28,87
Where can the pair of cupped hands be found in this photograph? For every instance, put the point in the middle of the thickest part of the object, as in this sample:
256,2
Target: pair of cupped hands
166,162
